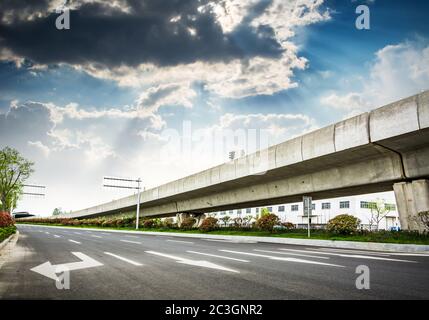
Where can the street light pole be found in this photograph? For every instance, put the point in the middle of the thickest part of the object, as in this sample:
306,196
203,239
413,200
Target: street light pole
138,204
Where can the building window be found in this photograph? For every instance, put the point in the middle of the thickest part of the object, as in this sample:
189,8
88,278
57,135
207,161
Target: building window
257,210
239,211
313,206
248,210
390,206
344,204
326,205
367,205
281,208
223,213
294,207
270,209
231,211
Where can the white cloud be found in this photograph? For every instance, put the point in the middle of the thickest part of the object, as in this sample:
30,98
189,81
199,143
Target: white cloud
41,147
398,71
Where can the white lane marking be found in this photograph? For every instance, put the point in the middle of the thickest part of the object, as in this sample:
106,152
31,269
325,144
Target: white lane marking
216,256
132,236
198,263
48,270
292,254
57,236
129,241
77,233
94,236
47,232
350,251
283,259
124,259
219,240
74,241
180,241
351,255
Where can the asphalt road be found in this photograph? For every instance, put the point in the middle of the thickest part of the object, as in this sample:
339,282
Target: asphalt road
124,266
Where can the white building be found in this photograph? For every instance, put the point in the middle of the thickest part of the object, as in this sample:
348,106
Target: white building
324,210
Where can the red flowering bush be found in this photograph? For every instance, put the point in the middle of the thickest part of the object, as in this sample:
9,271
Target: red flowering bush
6,220
267,222
209,224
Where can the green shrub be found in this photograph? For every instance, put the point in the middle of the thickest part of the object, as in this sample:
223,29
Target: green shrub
148,223
187,223
343,224
209,224
5,232
168,223
267,222
288,225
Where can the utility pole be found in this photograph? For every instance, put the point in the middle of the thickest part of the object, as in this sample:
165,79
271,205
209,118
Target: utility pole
123,185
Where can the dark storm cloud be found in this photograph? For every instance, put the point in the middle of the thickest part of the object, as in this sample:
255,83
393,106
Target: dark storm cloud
104,35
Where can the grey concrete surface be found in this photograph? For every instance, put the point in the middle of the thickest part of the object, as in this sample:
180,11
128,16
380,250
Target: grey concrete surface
178,268
367,153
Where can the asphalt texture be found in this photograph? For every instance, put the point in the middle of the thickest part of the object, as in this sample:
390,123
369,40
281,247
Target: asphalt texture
125,266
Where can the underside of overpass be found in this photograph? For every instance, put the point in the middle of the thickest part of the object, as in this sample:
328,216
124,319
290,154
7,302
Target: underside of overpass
385,149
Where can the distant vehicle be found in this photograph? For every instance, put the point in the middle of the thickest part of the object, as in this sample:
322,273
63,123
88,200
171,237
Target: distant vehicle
17,215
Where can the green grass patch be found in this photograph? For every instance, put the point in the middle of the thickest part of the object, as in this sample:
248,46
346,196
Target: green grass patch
401,237
5,232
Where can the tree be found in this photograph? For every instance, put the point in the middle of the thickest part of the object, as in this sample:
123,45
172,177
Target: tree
378,212
57,211
265,212
225,219
14,171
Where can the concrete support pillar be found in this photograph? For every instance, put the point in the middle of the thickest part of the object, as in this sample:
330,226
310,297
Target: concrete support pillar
199,217
412,198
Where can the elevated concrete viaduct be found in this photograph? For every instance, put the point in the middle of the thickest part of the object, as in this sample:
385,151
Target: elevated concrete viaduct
385,149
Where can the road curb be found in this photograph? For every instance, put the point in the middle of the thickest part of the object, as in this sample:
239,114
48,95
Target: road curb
375,246
6,247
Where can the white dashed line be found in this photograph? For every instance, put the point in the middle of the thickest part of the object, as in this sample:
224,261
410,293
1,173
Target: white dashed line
129,241
180,241
216,256
351,256
124,259
284,259
57,236
77,242
292,254
94,236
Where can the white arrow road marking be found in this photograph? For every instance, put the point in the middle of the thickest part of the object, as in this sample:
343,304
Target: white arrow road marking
48,270
216,256
74,241
199,263
284,259
131,241
291,254
124,259
180,241
351,256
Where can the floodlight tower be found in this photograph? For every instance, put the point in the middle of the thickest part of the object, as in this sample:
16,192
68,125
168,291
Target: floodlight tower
124,183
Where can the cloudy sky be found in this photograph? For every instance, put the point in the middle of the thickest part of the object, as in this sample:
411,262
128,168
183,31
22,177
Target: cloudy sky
139,88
